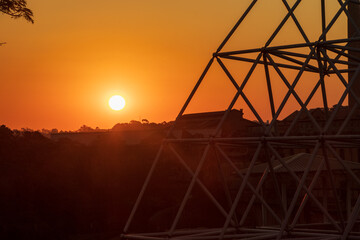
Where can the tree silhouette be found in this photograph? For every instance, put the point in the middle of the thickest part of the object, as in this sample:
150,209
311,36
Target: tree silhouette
16,9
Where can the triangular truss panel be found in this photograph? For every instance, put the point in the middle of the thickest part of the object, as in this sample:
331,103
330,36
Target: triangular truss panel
209,97
277,155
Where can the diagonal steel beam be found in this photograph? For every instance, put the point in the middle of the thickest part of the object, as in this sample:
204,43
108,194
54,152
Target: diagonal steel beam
303,107
332,182
293,60
238,93
201,185
240,191
312,197
232,31
351,221
290,12
296,119
348,118
306,196
349,17
341,161
334,48
333,20
268,84
142,191
322,69
303,34
297,192
233,81
189,190
297,78
346,92
255,191
197,85
309,68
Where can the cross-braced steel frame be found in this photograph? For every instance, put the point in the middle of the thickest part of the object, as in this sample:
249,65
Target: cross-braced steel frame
338,58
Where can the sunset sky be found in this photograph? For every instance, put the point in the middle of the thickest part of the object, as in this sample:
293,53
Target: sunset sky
61,71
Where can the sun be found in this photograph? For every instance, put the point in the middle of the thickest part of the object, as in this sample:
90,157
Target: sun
117,102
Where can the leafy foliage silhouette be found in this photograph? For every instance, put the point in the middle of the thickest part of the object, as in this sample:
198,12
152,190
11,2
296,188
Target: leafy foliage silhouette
16,9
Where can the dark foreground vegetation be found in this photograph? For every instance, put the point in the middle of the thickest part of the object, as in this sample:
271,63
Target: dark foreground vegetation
66,190
53,190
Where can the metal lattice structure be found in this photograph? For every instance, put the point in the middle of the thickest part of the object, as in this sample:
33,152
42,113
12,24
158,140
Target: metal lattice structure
335,59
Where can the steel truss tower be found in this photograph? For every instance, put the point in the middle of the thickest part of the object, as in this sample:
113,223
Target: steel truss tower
329,60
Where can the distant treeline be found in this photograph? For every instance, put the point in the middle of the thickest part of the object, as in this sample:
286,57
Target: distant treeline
144,124
132,125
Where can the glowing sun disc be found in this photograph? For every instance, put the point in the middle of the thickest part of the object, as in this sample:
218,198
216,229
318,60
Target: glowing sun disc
117,102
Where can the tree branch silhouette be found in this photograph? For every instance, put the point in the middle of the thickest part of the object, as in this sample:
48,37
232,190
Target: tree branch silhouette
16,9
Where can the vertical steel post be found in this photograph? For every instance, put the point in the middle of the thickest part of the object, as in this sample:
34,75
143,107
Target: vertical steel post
354,11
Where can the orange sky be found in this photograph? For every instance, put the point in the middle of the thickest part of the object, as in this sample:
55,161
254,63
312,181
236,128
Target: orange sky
61,71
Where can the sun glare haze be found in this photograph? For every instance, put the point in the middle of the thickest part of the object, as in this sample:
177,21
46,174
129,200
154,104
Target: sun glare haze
66,52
